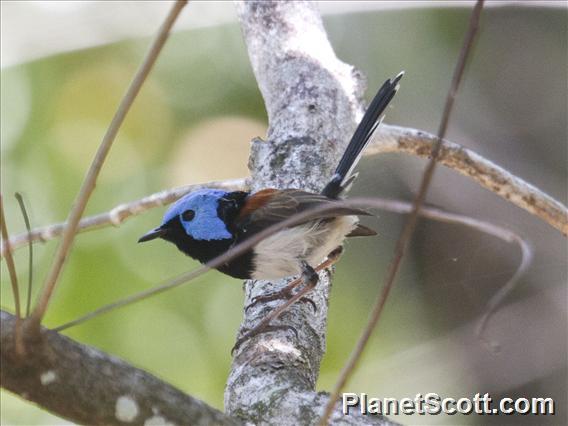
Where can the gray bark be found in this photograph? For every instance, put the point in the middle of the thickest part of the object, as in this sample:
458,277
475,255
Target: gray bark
313,102
87,386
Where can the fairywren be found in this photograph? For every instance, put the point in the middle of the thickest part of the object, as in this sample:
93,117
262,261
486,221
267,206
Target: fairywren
205,223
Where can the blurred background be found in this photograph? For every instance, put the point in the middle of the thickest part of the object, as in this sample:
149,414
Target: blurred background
65,66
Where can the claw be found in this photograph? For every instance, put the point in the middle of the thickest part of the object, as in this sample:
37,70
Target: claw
277,295
309,275
335,254
310,301
309,278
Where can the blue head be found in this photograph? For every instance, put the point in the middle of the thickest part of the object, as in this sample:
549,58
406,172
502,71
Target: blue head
198,215
200,223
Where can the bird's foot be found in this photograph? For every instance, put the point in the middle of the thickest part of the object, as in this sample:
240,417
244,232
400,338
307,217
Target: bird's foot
284,294
287,292
310,279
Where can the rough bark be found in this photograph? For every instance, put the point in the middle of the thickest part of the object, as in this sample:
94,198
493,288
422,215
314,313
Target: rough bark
87,386
313,102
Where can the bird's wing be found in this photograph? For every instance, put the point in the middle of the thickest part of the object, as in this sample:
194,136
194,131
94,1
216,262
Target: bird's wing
270,206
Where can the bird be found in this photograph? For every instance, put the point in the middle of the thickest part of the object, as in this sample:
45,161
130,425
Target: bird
205,223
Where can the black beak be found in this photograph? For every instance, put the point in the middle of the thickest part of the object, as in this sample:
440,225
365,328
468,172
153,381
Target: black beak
153,234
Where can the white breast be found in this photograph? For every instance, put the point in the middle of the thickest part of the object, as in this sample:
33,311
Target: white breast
281,254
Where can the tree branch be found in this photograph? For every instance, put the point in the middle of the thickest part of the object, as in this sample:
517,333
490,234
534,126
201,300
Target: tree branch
87,386
273,375
470,164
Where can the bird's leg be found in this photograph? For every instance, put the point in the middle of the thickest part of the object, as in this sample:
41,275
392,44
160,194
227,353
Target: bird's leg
286,292
310,278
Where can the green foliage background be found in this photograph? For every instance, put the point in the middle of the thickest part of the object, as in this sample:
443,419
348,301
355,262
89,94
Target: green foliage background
512,109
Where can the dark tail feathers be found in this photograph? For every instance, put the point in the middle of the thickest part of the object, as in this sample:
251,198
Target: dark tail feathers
342,177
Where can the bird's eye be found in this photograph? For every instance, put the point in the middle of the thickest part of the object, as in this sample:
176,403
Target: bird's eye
188,215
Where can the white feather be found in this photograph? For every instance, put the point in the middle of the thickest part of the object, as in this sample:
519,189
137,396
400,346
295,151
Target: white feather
281,254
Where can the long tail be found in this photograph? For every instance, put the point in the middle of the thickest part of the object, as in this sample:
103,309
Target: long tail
342,178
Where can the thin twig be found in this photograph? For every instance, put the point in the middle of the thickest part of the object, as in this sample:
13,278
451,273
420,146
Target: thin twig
410,224
19,345
497,299
383,204
30,251
527,253
90,180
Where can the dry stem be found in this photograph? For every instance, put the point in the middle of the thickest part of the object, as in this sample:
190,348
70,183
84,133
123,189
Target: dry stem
90,180
395,206
14,281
